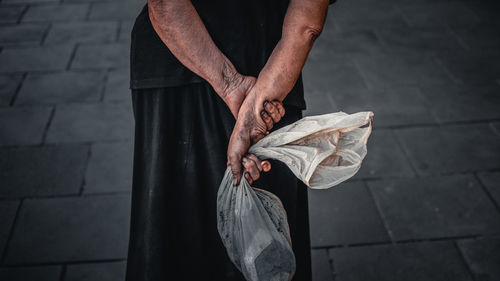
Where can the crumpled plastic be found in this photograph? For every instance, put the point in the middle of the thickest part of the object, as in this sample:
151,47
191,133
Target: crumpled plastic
322,151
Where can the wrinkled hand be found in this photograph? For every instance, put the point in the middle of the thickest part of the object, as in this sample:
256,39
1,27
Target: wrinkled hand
236,90
254,121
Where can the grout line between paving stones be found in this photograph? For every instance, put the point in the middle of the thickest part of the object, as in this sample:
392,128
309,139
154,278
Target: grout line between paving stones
405,153
63,273
18,89
46,33
82,185
72,56
80,262
104,84
23,12
379,211
464,260
11,233
72,195
488,193
332,265
47,126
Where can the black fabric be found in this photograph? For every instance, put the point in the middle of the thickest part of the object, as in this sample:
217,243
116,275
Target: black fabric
246,31
181,138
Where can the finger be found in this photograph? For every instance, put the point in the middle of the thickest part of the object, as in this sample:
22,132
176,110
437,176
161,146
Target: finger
272,111
249,179
266,166
280,107
267,119
235,160
251,168
256,160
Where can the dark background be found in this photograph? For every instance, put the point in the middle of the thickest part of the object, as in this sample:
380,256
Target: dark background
424,206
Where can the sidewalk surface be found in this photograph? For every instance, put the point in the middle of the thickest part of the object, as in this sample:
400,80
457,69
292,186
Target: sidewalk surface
424,206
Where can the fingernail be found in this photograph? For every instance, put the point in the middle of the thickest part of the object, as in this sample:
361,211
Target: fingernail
244,159
262,112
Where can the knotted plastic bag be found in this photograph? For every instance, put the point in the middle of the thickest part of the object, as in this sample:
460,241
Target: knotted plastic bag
322,151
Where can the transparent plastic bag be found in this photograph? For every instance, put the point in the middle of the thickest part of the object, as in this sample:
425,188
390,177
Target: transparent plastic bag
322,151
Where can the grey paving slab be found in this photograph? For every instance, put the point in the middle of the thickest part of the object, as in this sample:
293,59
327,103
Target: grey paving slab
321,266
21,34
61,87
23,125
91,122
27,1
435,207
71,229
437,261
110,168
319,103
112,271
491,180
125,30
11,13
8,209
385,158
419,39
483,257
42,171
454,148
31,273
394,106
115,55
400,68
8,87
479,37
472,67
15,59
361,13
452,102
438,13
82,32
116,10
117,86
331,74
56,12
345,214
348,40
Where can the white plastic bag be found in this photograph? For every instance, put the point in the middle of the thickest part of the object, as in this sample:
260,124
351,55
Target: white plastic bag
322,151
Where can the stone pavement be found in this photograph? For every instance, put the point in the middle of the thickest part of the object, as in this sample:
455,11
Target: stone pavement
424,206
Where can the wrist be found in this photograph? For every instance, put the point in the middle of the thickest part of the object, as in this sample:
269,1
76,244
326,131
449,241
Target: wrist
226,78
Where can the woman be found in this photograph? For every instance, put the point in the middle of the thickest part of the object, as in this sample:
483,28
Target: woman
208,79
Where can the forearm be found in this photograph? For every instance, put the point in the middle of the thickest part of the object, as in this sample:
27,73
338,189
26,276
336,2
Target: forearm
180,27
303,23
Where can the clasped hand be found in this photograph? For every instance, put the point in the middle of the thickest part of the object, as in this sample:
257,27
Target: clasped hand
256,113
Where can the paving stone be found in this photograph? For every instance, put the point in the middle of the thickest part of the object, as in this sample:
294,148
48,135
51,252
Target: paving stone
435,207
125,30
452,103
321,266
8,209
42,171
385,157
91,122
472,67
21,34
345,214
419,39
331,74
110,168
23,125
349,40
34,58
483,257
117,86
438,14
392,106
102,56
8,87
112,271
56,12
82,32
354,13
62,87
319,103
116,10
457,148
32,273
27,1
491,180
437,261
479,37
400,68
71,229
11,13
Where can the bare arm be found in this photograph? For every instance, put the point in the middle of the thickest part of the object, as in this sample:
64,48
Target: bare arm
180,27
303,23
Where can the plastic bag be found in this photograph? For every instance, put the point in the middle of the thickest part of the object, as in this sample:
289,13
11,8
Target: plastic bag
322,151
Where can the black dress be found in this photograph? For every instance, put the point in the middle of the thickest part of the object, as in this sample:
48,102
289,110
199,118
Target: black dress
182,130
